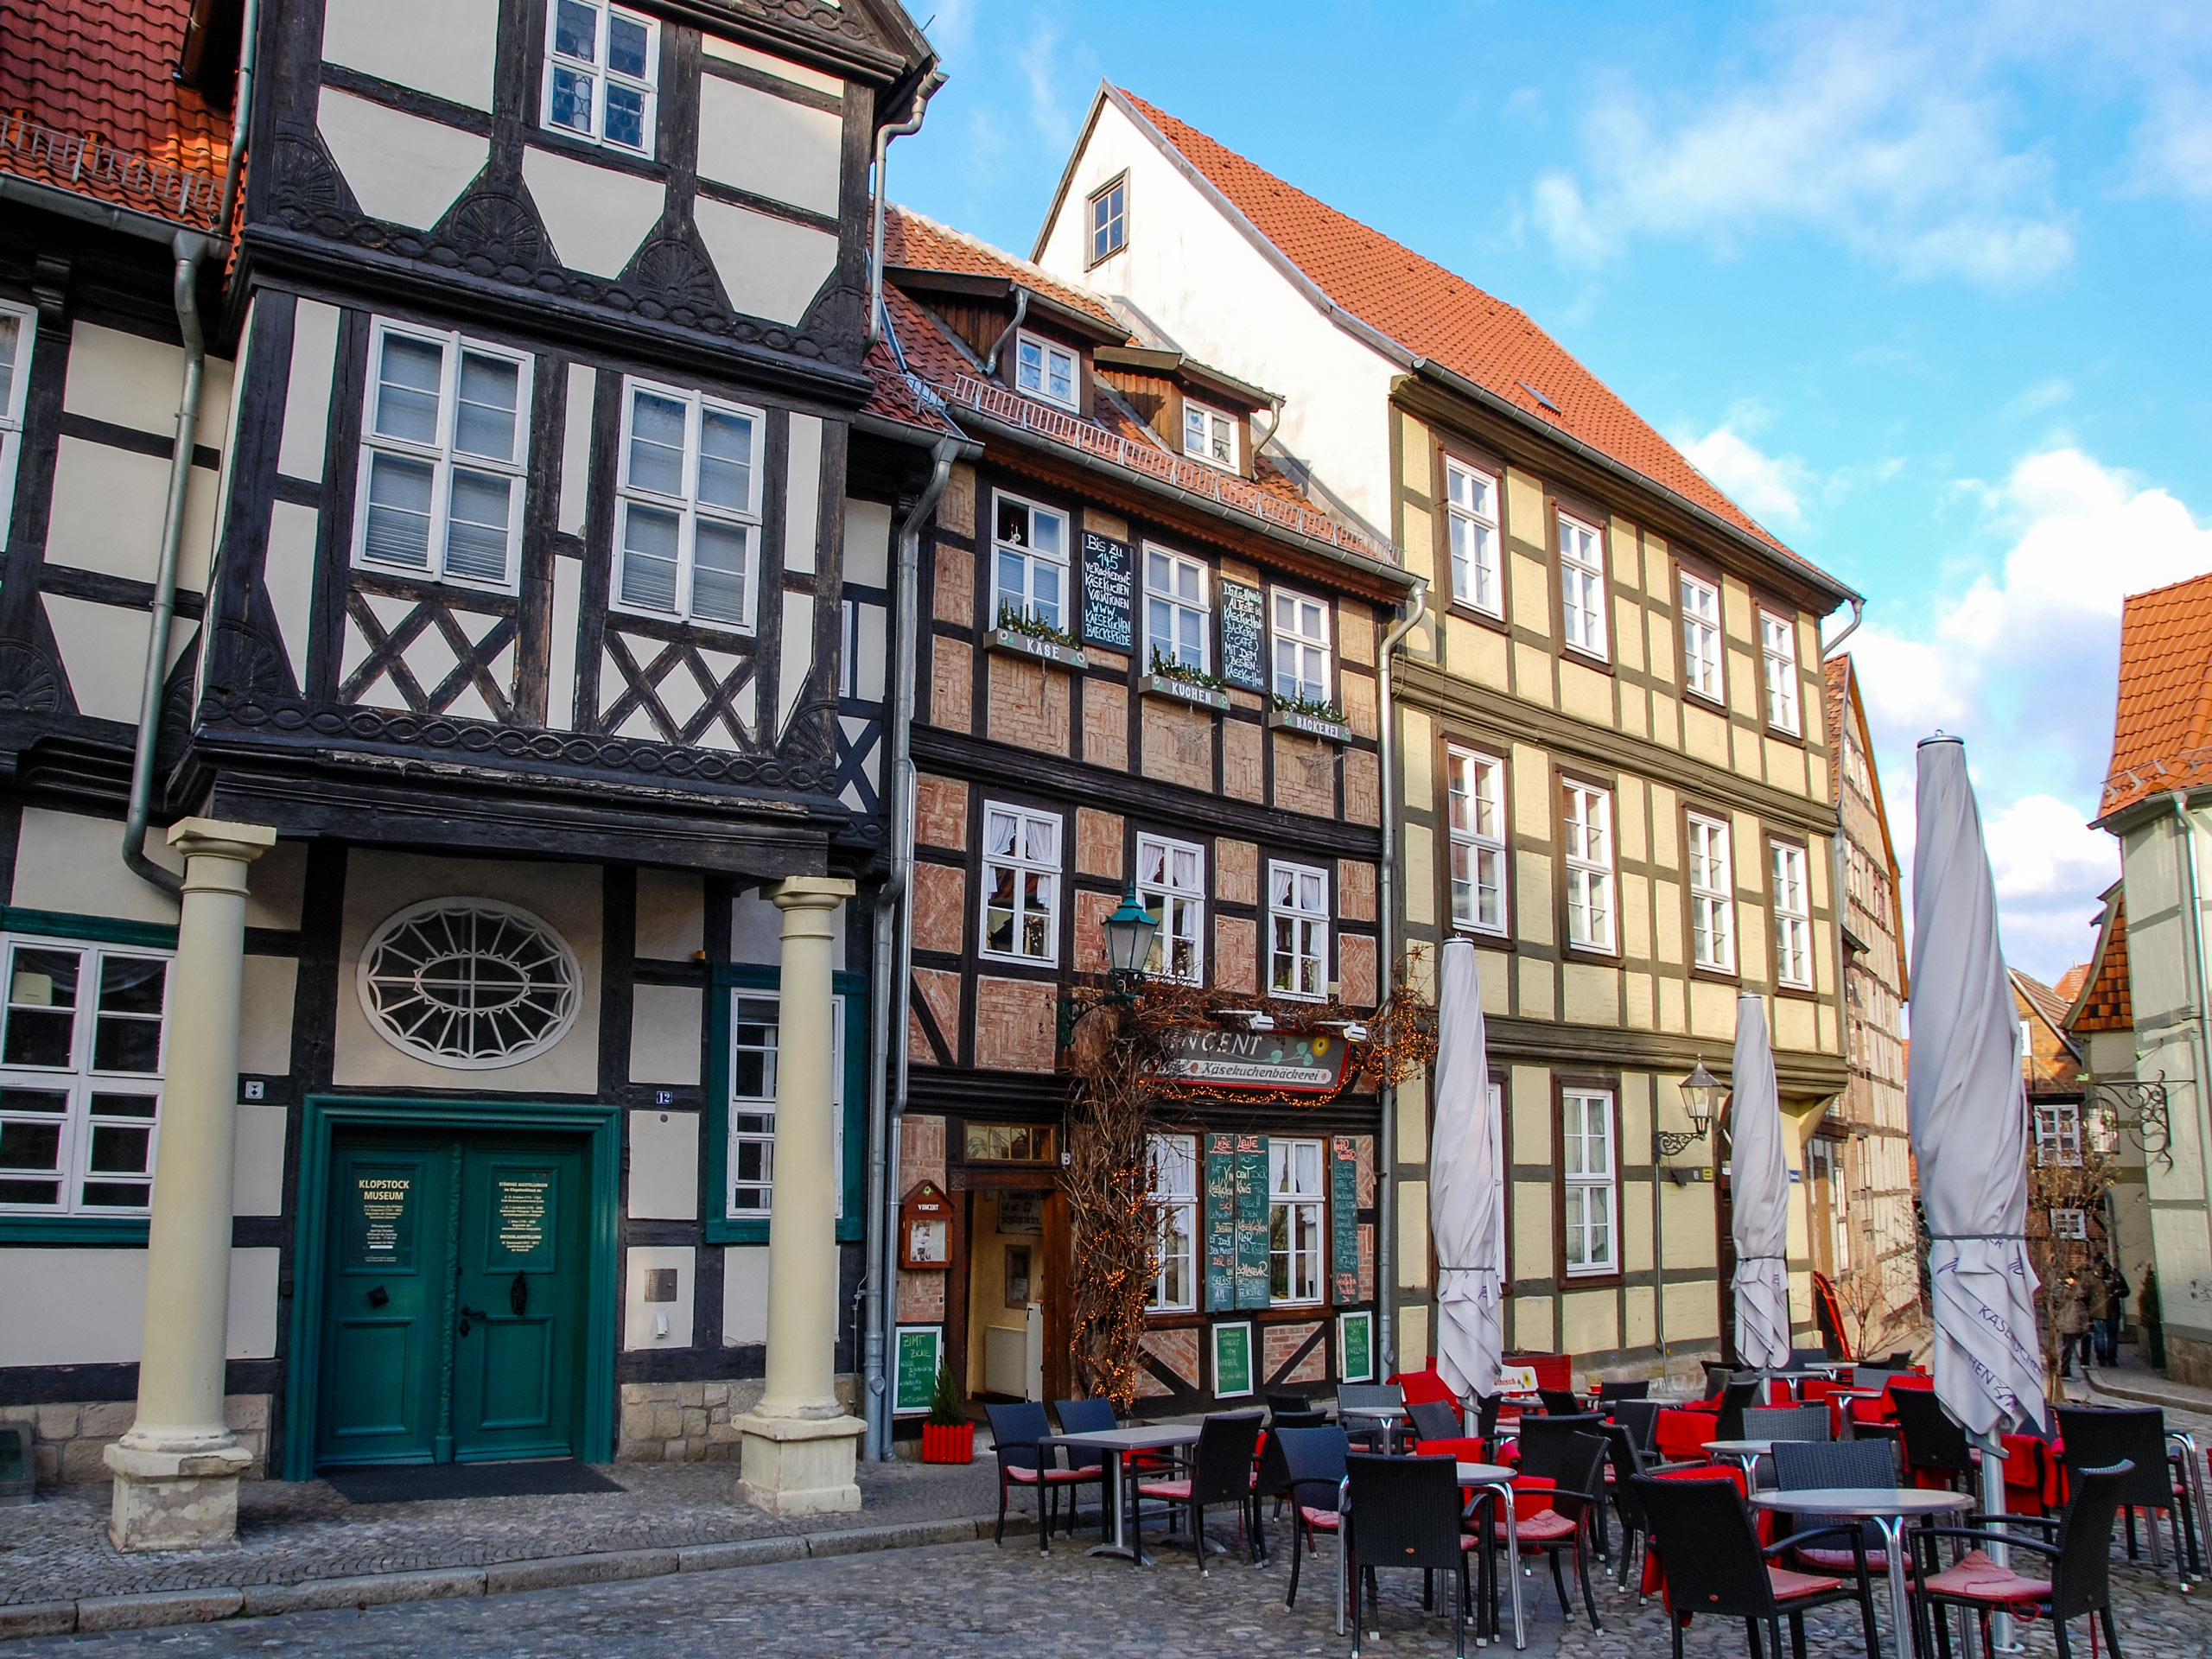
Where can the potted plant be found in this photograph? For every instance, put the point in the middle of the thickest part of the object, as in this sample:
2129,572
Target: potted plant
947,1434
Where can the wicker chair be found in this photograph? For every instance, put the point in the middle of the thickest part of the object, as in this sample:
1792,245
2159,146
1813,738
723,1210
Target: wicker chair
1405,1513
2098,1438
1220,1473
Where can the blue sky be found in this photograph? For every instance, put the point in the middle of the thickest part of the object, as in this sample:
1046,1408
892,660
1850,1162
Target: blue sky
1922,288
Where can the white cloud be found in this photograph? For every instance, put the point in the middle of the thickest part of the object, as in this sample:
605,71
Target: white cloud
1771,488
2173,144
1048,105
2033,400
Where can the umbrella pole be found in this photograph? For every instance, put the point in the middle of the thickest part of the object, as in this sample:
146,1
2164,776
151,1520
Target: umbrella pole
2001,1638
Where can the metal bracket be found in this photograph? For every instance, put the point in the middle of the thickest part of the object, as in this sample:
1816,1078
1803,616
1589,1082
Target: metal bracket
2151,1127
1672,1143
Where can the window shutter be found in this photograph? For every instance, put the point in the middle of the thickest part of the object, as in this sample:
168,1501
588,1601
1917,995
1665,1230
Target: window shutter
1253,1277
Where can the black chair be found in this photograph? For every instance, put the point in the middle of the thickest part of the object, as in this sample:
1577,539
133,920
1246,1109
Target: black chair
1741,1394
1933,1443
1352,1396
1899,1361
1807,1359
1625,1460
1221,1472
2079,1557
1779,1423
1280,1403
2098,1438
1807,1465
1560,1403
1610,1392
1087,1417
1570,1523
1432,1419
1716,1377
1641,1419
1299,1419
1017,1435
1487,1406
1718,1570
1405,1512
1545,1441
1313,1474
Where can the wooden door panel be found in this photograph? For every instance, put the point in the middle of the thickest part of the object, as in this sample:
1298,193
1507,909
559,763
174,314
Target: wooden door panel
383,1300
521,1281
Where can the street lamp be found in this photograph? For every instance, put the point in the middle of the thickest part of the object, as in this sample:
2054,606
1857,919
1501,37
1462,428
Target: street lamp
1129,932
1699,1090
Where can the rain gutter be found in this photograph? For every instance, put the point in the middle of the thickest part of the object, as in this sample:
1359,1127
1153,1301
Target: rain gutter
912,124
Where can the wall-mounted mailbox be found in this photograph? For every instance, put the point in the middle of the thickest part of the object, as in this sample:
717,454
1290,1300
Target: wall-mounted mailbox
925,1230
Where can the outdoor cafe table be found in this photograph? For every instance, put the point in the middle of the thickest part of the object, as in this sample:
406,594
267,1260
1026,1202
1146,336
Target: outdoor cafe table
1497,1478
1117,1444
1888,1507
1745,1452
1388,1416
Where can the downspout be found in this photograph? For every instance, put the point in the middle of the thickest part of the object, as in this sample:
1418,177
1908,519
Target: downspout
1020,310
1261,440
2186,822
1857,615
189,248
927,90
1386,1154
894,948
1838,869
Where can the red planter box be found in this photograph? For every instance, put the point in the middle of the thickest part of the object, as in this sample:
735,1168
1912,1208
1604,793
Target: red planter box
948,1442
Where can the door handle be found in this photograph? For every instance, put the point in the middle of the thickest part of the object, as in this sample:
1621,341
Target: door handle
519,1295
468,1313
379,1297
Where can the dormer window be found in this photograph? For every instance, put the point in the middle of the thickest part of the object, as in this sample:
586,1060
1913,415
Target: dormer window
602,70
1110,220
1209,435
1043,369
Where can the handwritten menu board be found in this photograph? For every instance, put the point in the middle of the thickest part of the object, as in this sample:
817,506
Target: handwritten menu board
1344,1216
1107,572
1243,636
1236,1221
918,1351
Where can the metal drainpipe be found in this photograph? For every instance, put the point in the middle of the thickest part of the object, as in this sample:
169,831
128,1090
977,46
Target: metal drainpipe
1020,310
2185,822
912,124
892,943
189,248
1386,898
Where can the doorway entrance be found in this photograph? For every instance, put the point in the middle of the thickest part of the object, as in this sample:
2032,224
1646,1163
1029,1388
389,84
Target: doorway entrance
1017,1296
454,1296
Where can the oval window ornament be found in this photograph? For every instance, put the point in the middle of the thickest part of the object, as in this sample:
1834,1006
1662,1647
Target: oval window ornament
469,983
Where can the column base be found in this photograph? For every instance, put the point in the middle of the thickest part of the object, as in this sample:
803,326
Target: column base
185,1499
795,1465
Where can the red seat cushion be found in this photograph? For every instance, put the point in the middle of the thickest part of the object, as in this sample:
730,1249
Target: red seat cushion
1070,1477
1179,1490
1024,1476
1843,1560
1791,1586
1540,1528
1976,1578
1319,1520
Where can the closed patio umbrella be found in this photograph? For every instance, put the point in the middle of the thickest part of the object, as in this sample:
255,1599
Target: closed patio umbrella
1466,1200
1758,1195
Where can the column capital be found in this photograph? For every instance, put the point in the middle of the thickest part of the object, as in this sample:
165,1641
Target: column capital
217,838
810,893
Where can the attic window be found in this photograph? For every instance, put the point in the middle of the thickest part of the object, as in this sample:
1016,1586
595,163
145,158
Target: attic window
1043,369
1539,397
1209,435
602,70
1109,220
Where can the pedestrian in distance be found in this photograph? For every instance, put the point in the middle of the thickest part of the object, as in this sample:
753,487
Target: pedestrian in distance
2072,1324
2096,1298
2116,1292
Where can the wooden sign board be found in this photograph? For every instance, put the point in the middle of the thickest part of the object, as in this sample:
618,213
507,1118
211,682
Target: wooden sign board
1356,1347
1232,1361
1283,1062
925,1230
918,1349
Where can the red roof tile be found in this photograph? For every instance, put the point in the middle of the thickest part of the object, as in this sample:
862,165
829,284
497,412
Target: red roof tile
90,102
2106,1002
1436,314
2162,729
912,238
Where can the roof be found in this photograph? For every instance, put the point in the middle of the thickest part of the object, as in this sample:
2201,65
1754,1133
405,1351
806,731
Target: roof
915,239
2072,982
2104,1002
896,397
2162,727
2048,1005
89,103
1431,313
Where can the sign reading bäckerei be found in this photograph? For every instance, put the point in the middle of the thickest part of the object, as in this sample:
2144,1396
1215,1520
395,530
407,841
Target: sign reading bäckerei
1310,1065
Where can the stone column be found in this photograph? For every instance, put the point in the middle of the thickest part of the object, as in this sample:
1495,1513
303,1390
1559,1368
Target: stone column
798,1445
176,1471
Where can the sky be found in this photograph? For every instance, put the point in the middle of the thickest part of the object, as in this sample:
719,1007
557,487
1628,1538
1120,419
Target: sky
1921,288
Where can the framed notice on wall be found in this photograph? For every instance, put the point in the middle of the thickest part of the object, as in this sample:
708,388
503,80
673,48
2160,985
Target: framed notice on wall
916,1354
1232,1361
1356,1347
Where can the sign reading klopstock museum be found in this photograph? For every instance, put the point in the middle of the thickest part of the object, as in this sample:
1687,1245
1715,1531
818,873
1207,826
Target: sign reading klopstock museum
1243,636
381,1229
1108,571
1295,1065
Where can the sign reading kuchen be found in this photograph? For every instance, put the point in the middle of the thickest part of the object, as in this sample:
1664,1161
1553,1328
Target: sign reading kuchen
1107,573
1311,1064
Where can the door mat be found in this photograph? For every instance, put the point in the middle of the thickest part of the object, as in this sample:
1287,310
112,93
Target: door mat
427,1482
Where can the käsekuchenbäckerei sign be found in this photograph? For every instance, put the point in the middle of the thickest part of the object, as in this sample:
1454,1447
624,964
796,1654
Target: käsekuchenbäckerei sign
1309,1065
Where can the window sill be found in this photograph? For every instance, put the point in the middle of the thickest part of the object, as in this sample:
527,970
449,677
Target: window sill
1477,934
1587,657
1006,959
1467,610
1175,690
1046,651
754,1230
1329,731
744,631
73,1229
1720,975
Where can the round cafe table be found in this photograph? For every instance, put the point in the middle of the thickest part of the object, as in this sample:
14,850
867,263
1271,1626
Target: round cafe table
1888,1507
1497,1479
1745,1453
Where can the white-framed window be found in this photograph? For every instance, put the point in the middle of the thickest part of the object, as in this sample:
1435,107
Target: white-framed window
1589,1181
1109,220
1778,646
1713,895
1022,883
755,1017
1582,585
1046,371
1295,1231
1301,634
1175,607
1588,812
444,448
602,71
688,530
2058,1132
1174,1160
1701,637
81,1053
1172,884
1209,435
2069,1223
18,333
1475,786
1793,918
471,984
1298,930
1029,561
1471,511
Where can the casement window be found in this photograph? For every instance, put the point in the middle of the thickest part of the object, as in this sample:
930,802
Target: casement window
1471,513
1046,371
1589,1181
1476,791
18,332
1174,1160
1171,885
690,506
1301,632
1021,884
1713,895
1582,585
2069,1223
1209,435
1109,220
1298,931
1778,646
1701,637
1588,815
603,69
2058,1132
754,1017
1029,562
1793,918
1175,609
1294,1206
444,445
81,1053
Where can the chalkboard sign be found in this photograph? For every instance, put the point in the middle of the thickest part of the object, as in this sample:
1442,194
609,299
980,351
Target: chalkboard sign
1344,1216
1243,636
1236,1221
1108,571
1232,1361
1221,1222
914,1368
1251,1221
1354,1347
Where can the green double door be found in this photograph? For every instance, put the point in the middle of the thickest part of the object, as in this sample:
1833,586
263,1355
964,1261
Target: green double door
453,1298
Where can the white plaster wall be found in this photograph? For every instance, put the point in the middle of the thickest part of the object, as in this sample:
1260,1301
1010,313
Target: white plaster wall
88,1307
102,649
797,657
672,915
108,508
771,267
797,74
70,863
306,392
131,381
664,1033
595,215
640,1318
399,166
1195,274
868,544
663,1165
744,1295
769,146
802,494
257,1161
441,46
268,985
576,450
287,574
756,931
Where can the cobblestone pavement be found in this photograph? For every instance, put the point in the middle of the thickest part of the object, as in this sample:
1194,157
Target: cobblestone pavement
975,1599
57,1549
